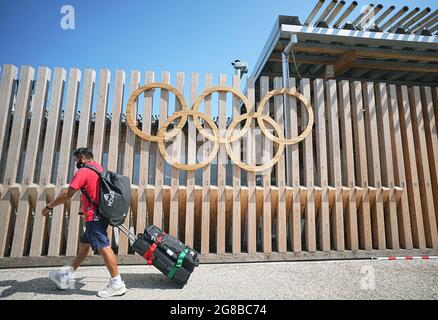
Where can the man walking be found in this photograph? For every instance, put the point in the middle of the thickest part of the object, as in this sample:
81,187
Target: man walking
95,235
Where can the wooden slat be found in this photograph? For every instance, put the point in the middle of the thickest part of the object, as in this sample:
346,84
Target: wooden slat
281,176
17,131
23,210
337,217
116,111
206,179
221,171
52,129
364,215
412,182
82,141
252,206
348,155
266,156
160,162
404,224
101,111
377,212
7,81
435,100
142,209
391,223
86,106
64,160
295,215
176,155
321,152
237,213
19,125
191,159
429,218
430,127
100,118
310,212
128,163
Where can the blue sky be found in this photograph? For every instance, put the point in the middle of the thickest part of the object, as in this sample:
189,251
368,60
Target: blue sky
166,35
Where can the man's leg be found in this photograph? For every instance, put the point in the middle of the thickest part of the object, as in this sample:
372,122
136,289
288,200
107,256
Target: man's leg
110,260
84,248
63,276
99,240
116,286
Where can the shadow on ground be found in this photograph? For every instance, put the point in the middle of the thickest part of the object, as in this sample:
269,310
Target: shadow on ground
46,286
41,286
148,281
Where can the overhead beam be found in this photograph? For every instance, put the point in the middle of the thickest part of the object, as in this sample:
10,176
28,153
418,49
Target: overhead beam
360,78
344,62
300,58
303,47
363,64
396,66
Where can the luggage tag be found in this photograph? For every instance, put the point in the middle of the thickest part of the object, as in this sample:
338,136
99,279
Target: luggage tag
170,252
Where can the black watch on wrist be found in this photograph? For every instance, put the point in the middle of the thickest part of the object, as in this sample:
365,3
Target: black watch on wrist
47,207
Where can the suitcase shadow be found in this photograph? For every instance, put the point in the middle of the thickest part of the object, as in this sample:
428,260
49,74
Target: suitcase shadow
42,286
148,281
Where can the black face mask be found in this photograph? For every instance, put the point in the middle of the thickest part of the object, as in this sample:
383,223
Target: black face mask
79,164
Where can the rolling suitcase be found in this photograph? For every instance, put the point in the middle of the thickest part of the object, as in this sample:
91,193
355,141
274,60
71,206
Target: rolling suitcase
169,255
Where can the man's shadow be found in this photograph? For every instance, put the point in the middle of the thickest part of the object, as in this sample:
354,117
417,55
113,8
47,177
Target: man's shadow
42,286
45,286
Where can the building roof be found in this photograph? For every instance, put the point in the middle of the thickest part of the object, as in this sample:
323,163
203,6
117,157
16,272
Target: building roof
398,48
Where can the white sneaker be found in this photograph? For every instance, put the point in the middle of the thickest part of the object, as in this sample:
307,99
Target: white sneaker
61,278
112,290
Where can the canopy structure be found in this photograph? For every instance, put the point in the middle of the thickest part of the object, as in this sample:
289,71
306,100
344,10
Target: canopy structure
395,46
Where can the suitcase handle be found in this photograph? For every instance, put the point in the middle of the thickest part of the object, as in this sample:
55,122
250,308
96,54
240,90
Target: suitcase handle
127,232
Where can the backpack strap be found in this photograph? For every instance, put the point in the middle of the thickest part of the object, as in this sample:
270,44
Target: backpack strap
89,198
93,168
83,189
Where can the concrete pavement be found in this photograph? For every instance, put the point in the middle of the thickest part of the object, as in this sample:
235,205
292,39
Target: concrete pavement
359,279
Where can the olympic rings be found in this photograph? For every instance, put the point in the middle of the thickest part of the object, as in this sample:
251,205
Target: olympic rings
184,113
289,92
232,90
248,167
130,118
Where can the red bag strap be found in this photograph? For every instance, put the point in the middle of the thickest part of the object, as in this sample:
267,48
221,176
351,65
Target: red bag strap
149,254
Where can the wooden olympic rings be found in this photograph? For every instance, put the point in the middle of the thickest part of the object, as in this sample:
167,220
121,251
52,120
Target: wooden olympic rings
184,113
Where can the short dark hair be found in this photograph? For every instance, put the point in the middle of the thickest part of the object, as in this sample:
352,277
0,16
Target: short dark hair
83,152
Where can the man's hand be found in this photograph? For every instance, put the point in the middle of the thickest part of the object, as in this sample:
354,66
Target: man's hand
63,197
45,211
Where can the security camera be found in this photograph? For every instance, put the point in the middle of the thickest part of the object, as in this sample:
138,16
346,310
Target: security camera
237,64
241,67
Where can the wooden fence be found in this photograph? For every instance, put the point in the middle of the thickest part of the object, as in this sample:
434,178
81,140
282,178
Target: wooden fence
363,183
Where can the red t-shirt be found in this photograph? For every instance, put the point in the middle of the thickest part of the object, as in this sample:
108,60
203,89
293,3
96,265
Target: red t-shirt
89,180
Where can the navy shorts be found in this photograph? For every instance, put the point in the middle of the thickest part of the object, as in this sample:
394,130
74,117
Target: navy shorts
95,235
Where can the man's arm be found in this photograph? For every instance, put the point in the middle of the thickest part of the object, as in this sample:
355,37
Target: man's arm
62,197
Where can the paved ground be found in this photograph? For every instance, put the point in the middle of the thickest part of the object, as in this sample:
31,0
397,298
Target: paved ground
285,280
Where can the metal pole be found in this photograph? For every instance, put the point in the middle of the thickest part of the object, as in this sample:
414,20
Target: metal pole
397,15
285,70
345,15
314,12
287,124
